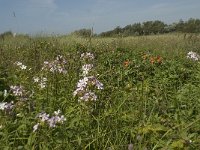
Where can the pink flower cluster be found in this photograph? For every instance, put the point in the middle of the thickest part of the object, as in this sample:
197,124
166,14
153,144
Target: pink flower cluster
84,85
57,65
17,90
6,106
50,121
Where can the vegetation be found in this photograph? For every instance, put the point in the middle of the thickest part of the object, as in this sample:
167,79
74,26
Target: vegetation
155,27
108,93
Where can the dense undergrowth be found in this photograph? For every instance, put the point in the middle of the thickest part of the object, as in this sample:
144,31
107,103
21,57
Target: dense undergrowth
135,93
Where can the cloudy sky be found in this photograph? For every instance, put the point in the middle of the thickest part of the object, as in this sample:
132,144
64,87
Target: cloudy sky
64,16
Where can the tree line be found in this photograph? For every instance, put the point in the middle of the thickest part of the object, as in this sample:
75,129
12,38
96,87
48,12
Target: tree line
147,28
155,27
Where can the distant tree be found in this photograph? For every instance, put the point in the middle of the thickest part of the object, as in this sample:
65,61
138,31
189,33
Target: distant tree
5,34
192,26
158,27
117,30
155,27
147,27
180,25
170,28
83,32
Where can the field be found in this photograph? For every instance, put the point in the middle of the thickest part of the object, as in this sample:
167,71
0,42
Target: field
135,93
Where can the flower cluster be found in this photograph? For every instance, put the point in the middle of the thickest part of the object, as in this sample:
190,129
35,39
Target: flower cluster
21,66
153,59
57,65
156,59
192,55
87,55
86,68
17,90
6,106
84,85
50,121
42,82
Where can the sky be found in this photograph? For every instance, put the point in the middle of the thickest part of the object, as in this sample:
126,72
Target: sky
65,16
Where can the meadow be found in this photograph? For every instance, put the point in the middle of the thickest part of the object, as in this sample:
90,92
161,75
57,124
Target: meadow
123,93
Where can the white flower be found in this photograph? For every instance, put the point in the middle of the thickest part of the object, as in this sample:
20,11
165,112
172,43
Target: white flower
86,68
55,65
89,96
99,85
46,62
36,79
3,105
17,90
87,55
44,79
18,63
82,83
57,112
52,122
43,83
5,93
23,67
35,127
192,55
43,116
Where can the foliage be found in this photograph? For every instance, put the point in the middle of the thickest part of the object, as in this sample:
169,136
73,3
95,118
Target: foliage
155,27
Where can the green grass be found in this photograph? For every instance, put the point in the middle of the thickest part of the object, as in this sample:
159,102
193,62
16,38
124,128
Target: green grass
150,98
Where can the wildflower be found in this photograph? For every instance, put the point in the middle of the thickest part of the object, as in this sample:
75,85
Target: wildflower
56,65
86,68
144,57
192,55
51,121
43,83
35,127
17,90
57,112
3,105
82,83
152,60
87,55
99,85
18,63
5,93
89,96
23,67
46,62
43,116
36,79
6,106
159,59
126,63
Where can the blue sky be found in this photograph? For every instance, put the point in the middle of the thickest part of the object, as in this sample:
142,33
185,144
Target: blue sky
65,16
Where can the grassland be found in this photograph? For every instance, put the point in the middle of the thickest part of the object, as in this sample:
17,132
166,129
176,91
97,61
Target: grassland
150,97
